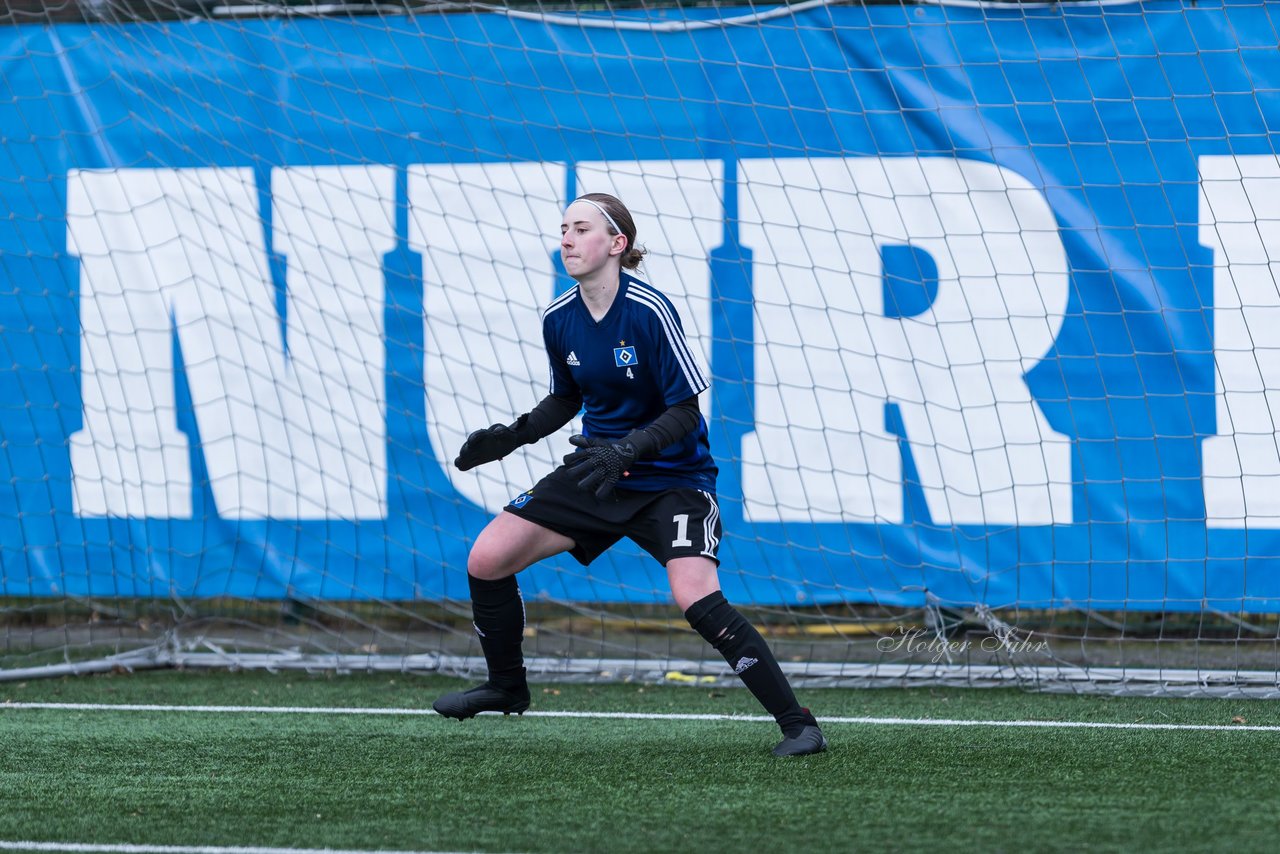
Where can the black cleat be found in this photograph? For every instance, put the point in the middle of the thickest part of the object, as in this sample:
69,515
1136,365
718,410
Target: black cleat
482,698
808,740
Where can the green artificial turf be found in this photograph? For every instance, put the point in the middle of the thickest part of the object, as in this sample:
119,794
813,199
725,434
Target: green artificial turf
598,784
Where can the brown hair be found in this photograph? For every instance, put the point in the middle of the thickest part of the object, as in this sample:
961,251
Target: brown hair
632,255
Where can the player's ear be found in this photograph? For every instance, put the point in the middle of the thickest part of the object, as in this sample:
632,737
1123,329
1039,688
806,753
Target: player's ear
619,246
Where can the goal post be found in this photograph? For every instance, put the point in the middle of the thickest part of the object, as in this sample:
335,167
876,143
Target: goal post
986,293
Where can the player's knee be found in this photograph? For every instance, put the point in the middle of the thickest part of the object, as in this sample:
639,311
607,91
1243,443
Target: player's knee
488,563
686,597
689,587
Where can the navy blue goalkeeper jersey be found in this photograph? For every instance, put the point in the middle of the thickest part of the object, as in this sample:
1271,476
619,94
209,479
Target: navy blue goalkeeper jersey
629,367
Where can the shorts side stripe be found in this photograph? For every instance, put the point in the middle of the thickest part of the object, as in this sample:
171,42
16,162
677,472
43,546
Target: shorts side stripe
709,539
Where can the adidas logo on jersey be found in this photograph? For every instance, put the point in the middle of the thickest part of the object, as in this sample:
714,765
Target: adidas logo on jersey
744,663
572,359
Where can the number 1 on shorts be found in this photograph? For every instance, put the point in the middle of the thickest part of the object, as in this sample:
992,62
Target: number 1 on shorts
681,521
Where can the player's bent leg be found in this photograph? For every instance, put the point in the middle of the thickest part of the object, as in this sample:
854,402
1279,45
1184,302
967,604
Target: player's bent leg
507,545
722,626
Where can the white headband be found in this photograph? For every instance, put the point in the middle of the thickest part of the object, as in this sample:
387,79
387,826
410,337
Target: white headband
600,208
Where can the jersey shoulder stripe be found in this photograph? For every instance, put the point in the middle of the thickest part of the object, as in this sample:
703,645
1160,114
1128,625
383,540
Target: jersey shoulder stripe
650,291
659,305
661,308
560,302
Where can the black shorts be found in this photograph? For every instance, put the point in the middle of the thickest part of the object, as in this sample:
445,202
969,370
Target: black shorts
680,522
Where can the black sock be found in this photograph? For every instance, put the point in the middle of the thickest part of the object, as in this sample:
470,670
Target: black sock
737,640
499,622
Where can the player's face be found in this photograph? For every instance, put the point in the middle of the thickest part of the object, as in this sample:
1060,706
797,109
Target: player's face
586,246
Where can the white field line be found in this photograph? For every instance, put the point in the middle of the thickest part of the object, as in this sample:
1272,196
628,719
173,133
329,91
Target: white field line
632,716
91,848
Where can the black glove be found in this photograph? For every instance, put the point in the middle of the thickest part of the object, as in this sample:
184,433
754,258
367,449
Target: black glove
602,462
485,446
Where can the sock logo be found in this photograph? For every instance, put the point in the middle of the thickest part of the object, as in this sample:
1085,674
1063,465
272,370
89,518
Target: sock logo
481,633
744,663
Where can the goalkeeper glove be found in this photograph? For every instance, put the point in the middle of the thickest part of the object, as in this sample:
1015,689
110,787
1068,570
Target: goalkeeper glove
601,463
491,443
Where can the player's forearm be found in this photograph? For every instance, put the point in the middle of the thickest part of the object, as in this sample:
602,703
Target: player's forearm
552,413
668,428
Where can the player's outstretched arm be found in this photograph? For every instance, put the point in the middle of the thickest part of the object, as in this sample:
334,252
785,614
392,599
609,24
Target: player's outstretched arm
496,441
485,446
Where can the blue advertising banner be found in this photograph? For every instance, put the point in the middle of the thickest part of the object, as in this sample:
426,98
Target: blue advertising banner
988,297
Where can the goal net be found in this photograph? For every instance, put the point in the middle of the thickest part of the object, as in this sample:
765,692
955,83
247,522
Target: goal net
987,294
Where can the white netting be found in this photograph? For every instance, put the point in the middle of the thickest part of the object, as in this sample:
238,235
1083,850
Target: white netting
986,293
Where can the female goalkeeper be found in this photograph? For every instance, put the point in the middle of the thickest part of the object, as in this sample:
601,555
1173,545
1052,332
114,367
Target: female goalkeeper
642,469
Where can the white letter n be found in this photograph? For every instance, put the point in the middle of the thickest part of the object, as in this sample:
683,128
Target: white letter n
296,430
